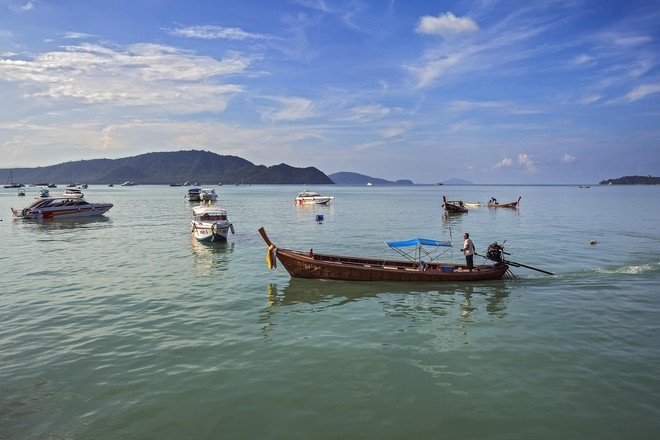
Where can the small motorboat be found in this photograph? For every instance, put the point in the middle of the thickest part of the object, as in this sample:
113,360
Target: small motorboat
194,194
44,208
311,197
209,223
473,205
208,195
73,192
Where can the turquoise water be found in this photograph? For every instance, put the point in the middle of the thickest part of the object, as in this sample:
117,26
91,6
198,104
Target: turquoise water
124,327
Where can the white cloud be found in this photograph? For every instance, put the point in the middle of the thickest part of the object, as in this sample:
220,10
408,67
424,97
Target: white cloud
567,158
140,75
527,162
506,162
76,36
292,109
368,112
642,91
216,32
445,24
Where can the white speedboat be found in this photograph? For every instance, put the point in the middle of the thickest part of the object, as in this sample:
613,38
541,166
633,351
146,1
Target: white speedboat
208,195
305,197
209,223
72,192
194,194
61,207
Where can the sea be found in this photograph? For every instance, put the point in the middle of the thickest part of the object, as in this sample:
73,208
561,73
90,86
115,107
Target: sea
125,327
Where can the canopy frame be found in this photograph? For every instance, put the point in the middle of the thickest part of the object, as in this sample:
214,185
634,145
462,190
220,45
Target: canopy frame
418,248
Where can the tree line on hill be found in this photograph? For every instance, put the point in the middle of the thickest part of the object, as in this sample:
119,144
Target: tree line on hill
169,168
632,180
179,167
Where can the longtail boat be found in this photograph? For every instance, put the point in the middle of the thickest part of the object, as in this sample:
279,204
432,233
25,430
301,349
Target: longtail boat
310,264
493,204
453,206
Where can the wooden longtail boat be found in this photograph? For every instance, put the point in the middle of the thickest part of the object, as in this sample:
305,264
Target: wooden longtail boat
494,204
453,206
336,267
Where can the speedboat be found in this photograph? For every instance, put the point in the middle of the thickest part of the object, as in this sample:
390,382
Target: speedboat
194,195
305,197
209,223
208,195
72,192
61,207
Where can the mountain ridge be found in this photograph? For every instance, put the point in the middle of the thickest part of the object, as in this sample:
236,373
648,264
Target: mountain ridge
168,168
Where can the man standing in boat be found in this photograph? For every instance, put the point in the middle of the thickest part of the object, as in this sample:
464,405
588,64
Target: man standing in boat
468,251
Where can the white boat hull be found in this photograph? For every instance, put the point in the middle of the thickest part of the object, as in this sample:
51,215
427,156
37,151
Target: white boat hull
45,208
208,232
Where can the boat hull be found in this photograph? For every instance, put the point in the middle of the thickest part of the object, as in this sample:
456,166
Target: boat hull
454,206
513,205
210,232
335,267
313,200
92,210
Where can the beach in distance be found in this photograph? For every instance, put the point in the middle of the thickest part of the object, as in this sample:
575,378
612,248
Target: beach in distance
124,326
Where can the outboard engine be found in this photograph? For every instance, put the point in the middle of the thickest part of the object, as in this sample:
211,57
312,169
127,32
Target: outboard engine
494,252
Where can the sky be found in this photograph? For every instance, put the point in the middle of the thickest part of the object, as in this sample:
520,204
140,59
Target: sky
488,91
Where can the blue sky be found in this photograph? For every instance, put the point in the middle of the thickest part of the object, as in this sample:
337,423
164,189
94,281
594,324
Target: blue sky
489,91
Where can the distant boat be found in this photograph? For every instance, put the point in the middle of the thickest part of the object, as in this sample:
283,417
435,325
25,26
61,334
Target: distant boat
492,203
74,193
10,182
584,186
194,194
129,183
369,184
208,195
305,197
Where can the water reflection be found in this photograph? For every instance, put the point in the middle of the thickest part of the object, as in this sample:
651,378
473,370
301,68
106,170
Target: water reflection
210,257
405,297
64,224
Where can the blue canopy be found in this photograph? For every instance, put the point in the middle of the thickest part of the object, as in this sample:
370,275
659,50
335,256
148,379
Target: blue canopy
418,242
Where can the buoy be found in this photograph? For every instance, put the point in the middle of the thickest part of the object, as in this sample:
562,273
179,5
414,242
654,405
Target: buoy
592,242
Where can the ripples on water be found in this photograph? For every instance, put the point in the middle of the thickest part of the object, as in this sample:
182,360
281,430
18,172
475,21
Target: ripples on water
124,327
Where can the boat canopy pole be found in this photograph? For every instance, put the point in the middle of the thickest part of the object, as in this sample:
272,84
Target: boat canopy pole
418,250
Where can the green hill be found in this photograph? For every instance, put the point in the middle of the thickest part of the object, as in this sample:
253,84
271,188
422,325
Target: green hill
632,180
167,168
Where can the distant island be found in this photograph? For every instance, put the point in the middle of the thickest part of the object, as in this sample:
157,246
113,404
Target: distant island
182,167
632,180
348,178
